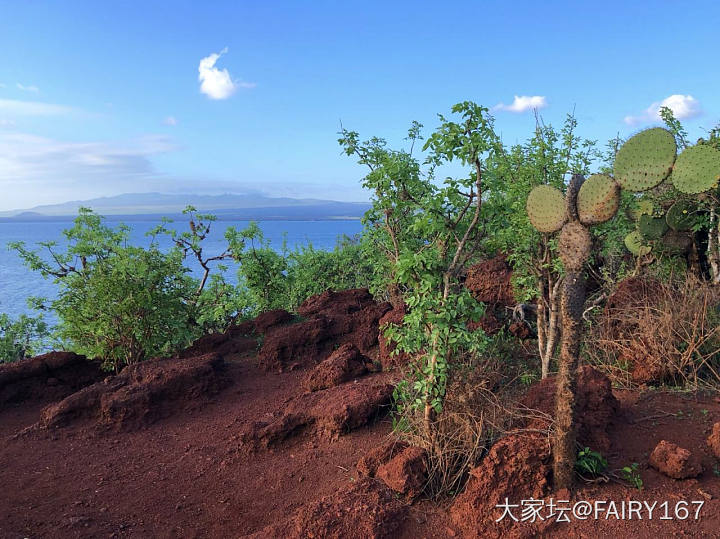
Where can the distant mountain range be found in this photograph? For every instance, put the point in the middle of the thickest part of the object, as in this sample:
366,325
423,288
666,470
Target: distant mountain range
135,206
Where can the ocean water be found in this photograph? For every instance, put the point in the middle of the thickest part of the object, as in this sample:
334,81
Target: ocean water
17,283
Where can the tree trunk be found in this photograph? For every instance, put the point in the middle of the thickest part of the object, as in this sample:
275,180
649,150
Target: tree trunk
564,453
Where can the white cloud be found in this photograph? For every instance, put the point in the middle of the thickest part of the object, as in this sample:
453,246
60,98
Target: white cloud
33,89
523,103
32,108
683,107
171,121
217,83
6,124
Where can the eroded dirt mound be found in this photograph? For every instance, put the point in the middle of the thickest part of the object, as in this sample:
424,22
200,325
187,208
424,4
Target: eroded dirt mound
238,339
714,440
363,510
140,394
328,413
675,461
370,462
50,376
490,281
344,364
270,319
405,473
620,320
517,467
596,406
332,318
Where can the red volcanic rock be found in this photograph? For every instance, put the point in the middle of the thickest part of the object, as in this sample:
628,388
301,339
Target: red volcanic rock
344,364
674,461
714,440
328,413
405,473
490,281
371,461
332,318
365,509
140,394
270,319
51,376
595,406
517,467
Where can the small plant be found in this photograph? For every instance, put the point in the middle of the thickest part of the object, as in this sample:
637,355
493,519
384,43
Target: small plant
631,474
590,463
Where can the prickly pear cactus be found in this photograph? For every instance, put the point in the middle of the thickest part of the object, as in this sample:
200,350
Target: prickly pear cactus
652,227
681,215
697,170
636,244
591,202
546,208
645,160
598,199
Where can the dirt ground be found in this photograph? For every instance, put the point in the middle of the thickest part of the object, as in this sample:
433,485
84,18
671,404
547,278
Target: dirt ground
193,474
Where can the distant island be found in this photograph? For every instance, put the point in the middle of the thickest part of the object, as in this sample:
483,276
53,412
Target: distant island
228,207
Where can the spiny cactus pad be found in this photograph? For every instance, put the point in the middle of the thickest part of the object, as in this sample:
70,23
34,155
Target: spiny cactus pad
697,169
636,245
681,215
546,208
598,199
643,207
652,227
645,160
574,245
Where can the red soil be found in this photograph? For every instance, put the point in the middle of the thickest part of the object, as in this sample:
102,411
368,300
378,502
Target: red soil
190,474
217,446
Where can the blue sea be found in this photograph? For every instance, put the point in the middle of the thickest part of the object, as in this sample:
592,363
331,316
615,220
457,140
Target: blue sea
17,283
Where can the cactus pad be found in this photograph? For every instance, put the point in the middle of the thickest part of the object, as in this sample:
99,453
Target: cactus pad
574,245
546,208
636,245
681,215
598,199
652,227
697,169
645,160
643,207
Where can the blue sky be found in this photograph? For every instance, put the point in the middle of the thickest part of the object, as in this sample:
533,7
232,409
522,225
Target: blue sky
101,98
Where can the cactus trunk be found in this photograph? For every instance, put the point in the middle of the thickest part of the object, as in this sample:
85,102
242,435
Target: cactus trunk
564,451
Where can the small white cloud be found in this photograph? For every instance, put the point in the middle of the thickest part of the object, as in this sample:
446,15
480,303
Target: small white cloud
217,83
6,124
683,107
170,120
32,108
523,103
33,89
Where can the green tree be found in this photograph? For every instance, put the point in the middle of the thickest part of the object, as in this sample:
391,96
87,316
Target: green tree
116,302
23,337
430,229
547,158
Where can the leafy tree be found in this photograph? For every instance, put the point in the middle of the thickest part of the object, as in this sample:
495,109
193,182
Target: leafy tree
116,302
429,230
23,337
546,158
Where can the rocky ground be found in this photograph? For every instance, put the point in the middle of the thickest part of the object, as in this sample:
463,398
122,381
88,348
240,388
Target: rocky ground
279,429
